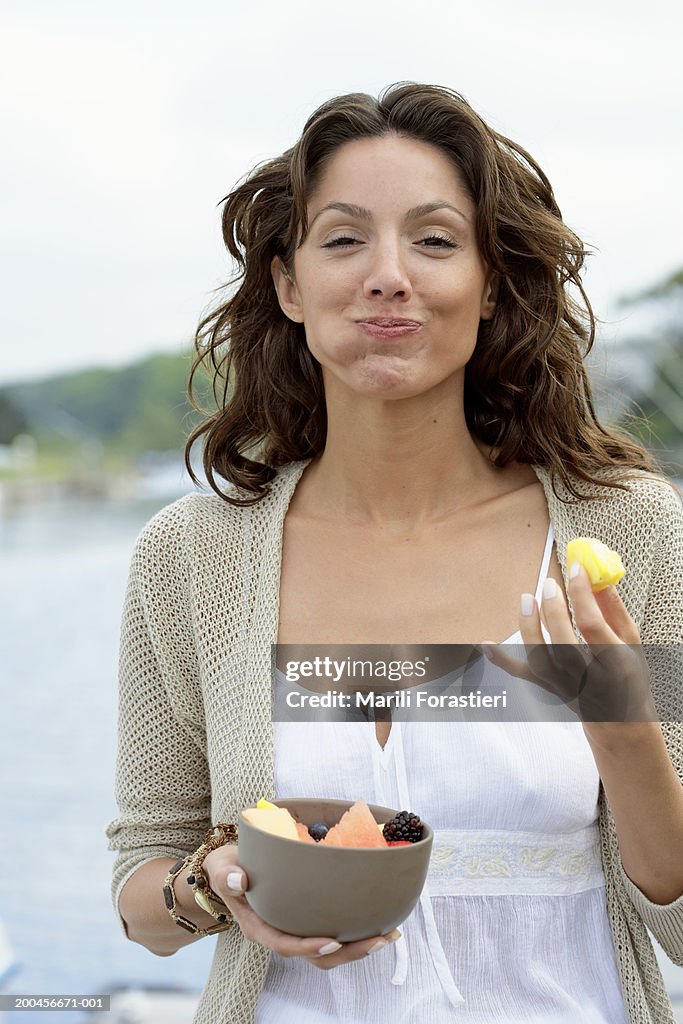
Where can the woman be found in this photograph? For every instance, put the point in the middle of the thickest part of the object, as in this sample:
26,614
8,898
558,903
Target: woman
406,429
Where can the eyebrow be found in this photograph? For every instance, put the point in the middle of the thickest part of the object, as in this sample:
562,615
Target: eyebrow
360,213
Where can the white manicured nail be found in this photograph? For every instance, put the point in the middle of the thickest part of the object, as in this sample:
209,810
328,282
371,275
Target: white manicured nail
331,947
549,589
574,570
235,881
391,936
527,604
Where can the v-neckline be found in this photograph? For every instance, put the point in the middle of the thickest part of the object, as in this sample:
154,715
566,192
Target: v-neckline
385,750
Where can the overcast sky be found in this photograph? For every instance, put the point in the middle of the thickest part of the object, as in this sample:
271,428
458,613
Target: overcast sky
124,123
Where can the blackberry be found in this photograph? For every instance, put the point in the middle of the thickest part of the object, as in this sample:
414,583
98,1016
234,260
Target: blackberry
318,831
405,826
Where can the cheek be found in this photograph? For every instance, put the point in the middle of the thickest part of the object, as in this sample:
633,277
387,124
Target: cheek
325,296
448,291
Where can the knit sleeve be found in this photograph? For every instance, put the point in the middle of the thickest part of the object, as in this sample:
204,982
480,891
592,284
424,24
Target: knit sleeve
162,777
662,627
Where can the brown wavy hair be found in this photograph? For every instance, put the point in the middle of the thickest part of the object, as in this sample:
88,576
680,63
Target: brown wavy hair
527,393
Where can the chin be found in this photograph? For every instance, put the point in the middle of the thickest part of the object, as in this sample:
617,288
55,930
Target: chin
385,378
377,378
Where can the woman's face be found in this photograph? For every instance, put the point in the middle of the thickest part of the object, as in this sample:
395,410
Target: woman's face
389,282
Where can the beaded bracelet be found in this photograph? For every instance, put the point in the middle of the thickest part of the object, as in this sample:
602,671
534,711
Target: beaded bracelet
217,836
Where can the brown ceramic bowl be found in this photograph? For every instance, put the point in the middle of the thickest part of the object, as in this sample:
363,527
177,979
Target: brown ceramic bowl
308,889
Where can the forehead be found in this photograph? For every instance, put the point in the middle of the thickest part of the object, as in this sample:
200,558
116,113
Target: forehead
389,168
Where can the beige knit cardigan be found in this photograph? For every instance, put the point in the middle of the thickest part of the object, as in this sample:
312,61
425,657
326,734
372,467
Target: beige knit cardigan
195,730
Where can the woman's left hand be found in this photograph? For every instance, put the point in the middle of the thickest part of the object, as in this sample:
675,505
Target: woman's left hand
604,680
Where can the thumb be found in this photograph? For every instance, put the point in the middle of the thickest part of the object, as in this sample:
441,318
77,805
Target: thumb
236,881
223,872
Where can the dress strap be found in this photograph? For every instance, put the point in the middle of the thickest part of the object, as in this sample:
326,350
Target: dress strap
545,563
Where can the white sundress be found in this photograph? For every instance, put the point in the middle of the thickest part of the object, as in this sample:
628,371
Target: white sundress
512,924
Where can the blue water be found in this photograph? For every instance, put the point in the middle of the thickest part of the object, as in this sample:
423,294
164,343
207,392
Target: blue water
62,580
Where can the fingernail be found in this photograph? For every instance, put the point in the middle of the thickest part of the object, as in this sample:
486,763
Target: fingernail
486,648
574,570
549,589
527,604
235,881
331,947
384,941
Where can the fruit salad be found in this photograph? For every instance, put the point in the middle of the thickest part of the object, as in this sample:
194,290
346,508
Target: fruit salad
356,828
604,567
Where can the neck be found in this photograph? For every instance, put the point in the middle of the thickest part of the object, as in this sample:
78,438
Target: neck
407,462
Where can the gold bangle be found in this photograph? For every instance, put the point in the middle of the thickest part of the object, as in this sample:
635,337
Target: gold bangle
217,836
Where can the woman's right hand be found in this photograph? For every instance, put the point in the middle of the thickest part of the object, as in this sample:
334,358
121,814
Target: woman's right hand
229,881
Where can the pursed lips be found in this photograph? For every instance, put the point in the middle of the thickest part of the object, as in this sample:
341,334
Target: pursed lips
390,321
388,327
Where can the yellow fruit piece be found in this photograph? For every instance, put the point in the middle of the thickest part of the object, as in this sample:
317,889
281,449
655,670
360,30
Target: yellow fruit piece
265,803
272,819
604,567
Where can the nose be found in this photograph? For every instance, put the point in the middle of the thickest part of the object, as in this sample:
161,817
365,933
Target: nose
387,277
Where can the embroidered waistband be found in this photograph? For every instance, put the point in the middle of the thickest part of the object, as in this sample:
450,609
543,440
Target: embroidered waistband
473,862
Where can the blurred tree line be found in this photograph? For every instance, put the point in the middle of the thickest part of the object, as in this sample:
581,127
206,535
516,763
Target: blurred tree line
140,408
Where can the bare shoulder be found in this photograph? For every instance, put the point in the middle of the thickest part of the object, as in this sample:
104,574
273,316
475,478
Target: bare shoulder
516,488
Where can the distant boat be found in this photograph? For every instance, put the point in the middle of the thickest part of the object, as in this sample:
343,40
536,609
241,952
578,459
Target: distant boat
8,965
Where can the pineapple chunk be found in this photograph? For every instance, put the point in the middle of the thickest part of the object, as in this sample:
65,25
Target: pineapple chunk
604,567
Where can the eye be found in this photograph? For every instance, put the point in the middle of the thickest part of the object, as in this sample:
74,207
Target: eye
338,243
437,242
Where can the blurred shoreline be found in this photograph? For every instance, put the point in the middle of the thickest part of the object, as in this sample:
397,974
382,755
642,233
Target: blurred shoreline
154,476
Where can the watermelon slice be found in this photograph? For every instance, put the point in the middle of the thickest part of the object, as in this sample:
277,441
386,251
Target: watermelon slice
357,827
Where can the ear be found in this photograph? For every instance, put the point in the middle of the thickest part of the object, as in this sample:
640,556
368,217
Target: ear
287,291
489,295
